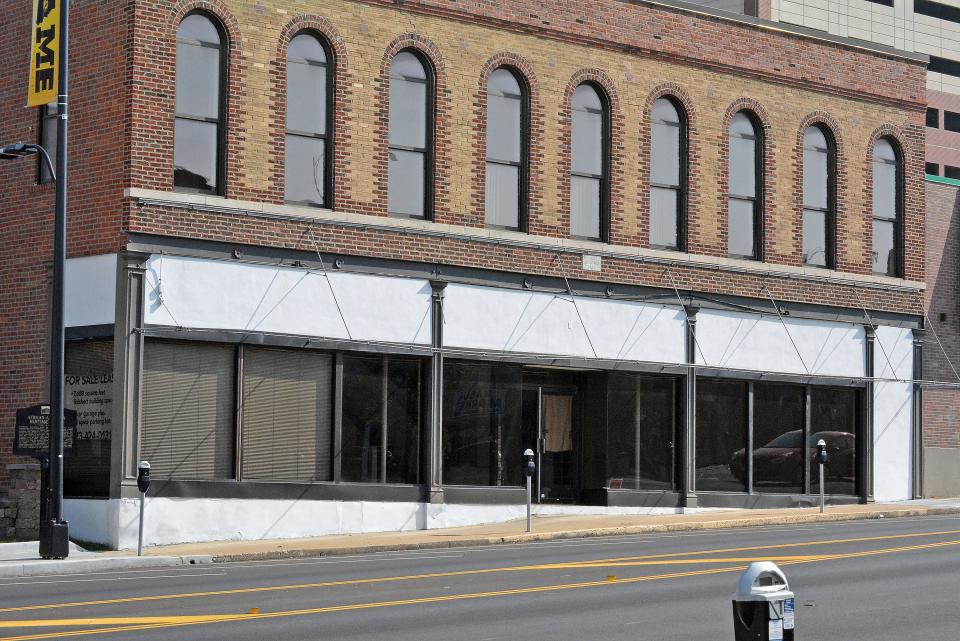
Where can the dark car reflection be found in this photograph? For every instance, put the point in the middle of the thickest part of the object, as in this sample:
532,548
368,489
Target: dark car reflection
782,458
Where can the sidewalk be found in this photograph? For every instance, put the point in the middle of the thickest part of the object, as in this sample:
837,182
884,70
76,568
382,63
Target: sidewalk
21,559
547,528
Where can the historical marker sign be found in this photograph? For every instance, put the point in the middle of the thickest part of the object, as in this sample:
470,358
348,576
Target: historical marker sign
32,435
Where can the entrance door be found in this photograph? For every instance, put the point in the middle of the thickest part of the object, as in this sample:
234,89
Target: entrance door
549,418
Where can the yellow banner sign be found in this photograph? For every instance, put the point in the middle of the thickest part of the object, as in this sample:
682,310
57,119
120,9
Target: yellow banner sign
44,52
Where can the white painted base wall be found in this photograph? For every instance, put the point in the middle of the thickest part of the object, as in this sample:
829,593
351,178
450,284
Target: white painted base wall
113,522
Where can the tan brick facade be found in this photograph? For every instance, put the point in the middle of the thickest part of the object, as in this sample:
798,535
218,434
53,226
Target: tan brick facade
125,53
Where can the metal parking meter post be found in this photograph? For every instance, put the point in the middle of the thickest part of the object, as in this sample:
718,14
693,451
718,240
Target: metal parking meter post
763,606
530,469
821,462
143,484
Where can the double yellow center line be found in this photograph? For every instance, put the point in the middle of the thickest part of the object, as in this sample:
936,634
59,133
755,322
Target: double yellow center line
126,624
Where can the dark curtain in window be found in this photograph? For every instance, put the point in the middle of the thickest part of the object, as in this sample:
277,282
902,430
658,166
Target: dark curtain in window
307,112
196,145
505,105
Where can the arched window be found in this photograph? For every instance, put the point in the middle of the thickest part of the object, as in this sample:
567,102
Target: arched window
589,164
818,198
308,176
887,208
745,176
506,151
198,129
668,179
410,172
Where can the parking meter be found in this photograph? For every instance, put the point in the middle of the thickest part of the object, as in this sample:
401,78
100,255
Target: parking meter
143,484
822,455
143,477
763,606
531,468
821,462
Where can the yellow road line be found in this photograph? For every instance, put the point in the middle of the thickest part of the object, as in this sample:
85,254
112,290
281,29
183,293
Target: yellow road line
152,623
434,575
367,606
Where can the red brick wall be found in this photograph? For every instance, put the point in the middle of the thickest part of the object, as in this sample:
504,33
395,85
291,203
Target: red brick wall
941,407
98,137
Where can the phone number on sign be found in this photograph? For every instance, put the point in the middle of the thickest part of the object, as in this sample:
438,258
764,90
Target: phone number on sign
93,435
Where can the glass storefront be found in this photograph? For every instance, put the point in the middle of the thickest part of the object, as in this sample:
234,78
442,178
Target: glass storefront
381,392
482,424
721,436
778,455
833,418
641,432
88,390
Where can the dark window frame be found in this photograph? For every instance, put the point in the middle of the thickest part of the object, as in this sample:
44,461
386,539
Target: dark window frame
933,113
429,152
523,211
830,214
328,137
606,129
221,121
944,66
759,186
936,10
47,119
898,222
683,190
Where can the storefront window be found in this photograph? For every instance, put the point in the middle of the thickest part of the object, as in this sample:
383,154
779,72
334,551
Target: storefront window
721,436
378,392
641,426
778,438
88,390
287,414
482,432
833,418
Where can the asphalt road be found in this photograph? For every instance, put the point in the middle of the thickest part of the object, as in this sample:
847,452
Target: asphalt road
892,580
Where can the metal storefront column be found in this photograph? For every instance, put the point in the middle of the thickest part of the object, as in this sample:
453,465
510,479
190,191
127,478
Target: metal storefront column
917,413
688,476
866,442
434,461
127,372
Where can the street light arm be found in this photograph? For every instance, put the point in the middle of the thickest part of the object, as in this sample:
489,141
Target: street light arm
20,149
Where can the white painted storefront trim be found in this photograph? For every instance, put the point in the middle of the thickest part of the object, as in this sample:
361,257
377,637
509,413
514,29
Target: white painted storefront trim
114,522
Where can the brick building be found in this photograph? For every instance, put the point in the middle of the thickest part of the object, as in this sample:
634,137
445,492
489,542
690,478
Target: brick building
334,268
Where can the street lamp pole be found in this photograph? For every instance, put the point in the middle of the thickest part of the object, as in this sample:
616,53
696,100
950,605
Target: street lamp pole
54,538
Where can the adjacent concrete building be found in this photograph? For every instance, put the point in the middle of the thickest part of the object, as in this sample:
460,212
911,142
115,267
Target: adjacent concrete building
334,267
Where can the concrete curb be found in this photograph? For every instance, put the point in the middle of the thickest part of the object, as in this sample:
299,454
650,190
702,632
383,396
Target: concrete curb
682,526
37,567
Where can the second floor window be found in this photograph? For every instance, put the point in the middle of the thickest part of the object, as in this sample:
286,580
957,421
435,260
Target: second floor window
745,161
410,163
588,164
818,209
198,131
887,208
505,180
307,160
667,175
